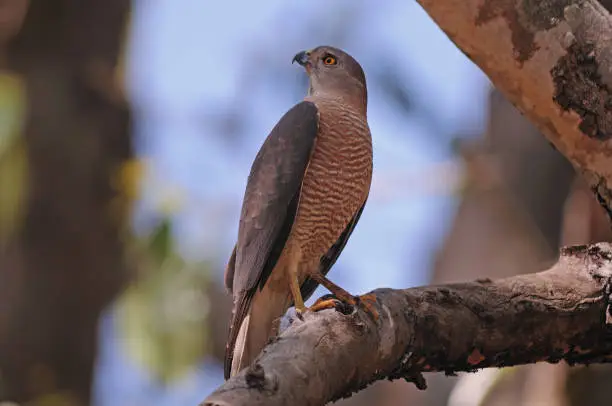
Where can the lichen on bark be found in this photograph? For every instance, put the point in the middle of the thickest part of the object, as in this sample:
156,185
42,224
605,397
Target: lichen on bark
578,88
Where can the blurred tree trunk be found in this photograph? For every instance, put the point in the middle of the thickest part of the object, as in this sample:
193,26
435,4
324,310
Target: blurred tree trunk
64,262
509,218
522,202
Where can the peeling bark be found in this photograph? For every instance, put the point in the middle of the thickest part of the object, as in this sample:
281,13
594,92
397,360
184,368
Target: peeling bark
559,314
553,60
578,88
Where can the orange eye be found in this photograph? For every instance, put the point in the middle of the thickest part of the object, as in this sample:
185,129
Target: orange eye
329,60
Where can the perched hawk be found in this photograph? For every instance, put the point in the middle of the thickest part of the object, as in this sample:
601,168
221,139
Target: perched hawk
306,190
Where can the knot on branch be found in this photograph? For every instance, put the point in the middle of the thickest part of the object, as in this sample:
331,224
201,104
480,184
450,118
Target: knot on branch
409,369
255,378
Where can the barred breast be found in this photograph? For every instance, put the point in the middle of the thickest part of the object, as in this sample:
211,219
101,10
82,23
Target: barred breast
337,180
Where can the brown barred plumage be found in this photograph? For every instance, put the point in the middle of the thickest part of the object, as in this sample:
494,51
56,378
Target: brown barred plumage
337,180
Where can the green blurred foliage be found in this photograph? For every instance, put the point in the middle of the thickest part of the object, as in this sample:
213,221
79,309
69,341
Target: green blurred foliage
163,314
13,159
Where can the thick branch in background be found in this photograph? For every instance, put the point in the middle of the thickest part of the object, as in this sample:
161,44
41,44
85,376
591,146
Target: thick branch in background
64,263
559,314
553,61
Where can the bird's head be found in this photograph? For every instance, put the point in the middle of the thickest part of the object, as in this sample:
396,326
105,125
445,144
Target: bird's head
333,71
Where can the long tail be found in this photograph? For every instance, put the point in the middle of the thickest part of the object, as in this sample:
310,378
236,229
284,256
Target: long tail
258,324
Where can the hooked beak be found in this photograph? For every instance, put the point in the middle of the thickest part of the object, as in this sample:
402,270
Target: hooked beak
303,58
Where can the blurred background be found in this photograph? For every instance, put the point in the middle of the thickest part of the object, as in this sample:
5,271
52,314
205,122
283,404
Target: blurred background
127,130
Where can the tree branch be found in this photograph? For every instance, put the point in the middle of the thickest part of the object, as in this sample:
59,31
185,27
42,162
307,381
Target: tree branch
553,60
559,314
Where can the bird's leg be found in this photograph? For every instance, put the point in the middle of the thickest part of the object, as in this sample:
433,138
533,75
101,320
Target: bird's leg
336,290
365,301
294,284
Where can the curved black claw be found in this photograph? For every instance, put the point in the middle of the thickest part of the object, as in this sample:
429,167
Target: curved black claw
331,301
344,308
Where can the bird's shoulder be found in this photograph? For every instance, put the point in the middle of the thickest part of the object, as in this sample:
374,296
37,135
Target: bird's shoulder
286,148
272,187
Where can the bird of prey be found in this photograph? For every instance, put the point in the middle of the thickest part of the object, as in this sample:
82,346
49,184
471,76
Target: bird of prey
305,193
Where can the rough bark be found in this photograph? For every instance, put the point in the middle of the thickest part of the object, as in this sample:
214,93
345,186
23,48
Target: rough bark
65,262
553,61
584,222
559,314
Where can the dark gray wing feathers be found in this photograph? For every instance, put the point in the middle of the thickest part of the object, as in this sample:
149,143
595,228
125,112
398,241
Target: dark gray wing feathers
274,182
229,271
268,209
